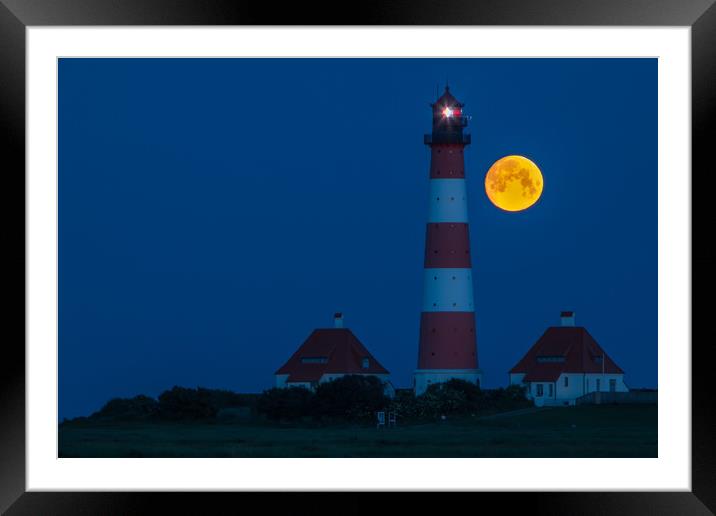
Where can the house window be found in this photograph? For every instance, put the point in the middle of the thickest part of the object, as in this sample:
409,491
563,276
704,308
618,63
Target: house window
612,385
566,381
549,358
598,384
314,360
551,390
366,363
540,389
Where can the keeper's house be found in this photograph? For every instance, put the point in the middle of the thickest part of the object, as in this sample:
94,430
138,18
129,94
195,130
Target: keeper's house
327,354
564,364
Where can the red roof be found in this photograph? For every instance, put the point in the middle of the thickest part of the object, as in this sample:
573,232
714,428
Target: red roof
339,350
564,349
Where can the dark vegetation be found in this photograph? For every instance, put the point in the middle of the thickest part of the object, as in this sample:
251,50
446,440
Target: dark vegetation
350,399
358,398
353,398
176,404
457,398
454,419
582,431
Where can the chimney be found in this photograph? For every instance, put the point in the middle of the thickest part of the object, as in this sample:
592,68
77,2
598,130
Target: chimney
338,320
567,318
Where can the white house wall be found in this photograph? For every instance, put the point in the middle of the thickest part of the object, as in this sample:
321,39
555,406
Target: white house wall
281,380
591,382
306,385
574,388
578,385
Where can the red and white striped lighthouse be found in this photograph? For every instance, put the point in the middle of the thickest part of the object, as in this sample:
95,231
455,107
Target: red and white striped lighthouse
447,324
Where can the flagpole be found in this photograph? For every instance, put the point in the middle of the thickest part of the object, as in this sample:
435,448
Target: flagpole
603,359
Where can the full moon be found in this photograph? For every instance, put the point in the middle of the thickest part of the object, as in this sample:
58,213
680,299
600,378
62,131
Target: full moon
514,183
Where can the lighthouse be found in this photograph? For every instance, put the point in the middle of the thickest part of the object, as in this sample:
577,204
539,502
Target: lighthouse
448,347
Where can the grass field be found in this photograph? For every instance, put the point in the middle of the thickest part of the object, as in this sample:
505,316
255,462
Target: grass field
583,431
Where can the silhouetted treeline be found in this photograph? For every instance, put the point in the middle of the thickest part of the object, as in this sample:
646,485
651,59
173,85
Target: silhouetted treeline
357,398
178,403
348,398
457,398
352,398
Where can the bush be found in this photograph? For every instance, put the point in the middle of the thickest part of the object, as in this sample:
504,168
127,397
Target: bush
516,393
179,403
472,394
222,399
285,404
451,398
510,398
139,407
456,397
351,398
406,405
182,403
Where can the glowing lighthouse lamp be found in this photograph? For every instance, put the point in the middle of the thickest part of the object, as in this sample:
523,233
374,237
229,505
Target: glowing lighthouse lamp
449,112
447,347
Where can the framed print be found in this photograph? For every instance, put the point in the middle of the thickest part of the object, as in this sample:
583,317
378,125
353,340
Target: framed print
233,282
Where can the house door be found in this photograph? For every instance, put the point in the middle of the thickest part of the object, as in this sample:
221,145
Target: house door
612,385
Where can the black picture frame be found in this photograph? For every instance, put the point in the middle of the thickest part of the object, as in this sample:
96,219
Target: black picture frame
16,15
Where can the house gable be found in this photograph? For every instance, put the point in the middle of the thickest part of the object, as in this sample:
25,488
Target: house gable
564,350
331,351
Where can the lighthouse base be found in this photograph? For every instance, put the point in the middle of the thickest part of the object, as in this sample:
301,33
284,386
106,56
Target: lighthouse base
424,378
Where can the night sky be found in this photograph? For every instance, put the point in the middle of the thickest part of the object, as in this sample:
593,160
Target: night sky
213,212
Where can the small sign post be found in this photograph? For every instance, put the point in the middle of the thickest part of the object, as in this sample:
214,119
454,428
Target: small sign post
391,419
381,419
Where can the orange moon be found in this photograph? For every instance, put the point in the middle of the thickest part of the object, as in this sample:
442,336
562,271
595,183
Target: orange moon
514,183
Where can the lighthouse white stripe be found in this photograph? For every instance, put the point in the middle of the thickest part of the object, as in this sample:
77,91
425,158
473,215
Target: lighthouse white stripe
448,200
448,290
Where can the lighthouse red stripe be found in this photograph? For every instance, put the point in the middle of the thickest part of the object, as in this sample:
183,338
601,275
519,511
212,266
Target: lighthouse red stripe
447,341
447,162
447,245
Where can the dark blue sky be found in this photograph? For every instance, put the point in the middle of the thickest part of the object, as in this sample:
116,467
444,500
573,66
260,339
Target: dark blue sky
213,212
